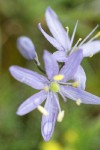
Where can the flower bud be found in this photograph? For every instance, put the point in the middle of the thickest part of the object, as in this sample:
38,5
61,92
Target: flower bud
26,48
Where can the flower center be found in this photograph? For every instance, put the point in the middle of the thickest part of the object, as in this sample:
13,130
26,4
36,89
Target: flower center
54,87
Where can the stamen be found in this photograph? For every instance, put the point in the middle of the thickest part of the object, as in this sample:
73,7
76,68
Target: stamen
46,88
80,39
78,102
75,84
67,28
43,110
73,35
58,77
89,35
96,36
60,116
91,55
65,83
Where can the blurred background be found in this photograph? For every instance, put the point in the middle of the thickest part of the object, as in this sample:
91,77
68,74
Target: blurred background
80,128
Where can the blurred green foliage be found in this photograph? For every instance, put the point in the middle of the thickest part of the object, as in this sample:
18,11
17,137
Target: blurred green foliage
80,129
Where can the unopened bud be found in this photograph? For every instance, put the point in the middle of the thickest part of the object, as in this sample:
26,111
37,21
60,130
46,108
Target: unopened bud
26,47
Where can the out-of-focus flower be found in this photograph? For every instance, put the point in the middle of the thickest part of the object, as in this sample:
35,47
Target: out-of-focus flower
63,43
27,48
58,82
71,136
50,146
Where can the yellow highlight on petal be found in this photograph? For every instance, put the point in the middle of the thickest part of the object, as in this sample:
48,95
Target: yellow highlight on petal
58,77
60,116
75,84
43,110
46,88
78,102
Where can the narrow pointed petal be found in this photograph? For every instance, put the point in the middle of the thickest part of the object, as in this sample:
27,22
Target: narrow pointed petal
31,103
56,28
73,35
28,77
76,93
48,122
80,76
60,56
51,66
26,47
91,48
52,40
71,65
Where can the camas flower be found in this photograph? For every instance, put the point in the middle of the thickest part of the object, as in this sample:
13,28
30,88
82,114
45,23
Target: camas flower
58,82
64,44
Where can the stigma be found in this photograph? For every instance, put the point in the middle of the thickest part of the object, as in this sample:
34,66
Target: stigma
54,87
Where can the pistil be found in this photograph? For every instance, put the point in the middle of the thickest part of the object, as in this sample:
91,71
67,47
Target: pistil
54,87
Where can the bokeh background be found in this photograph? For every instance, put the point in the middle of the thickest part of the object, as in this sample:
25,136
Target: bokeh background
80,128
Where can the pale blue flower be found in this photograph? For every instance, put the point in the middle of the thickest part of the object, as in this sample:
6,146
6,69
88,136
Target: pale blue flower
58,82
64,44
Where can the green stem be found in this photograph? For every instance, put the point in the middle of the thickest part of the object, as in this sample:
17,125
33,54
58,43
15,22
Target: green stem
38,66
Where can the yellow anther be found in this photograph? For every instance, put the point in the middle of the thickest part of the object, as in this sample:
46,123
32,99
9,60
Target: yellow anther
78,102
58,77
76,45
42,110
75,84
91,55
97,35
67,28
46,88
80,39
60,116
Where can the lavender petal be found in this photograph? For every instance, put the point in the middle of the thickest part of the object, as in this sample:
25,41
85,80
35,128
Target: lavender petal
76,93
31,103
60,56
80,76
71,65
91,48
57,29
48,122
28,77
51,66
52,40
